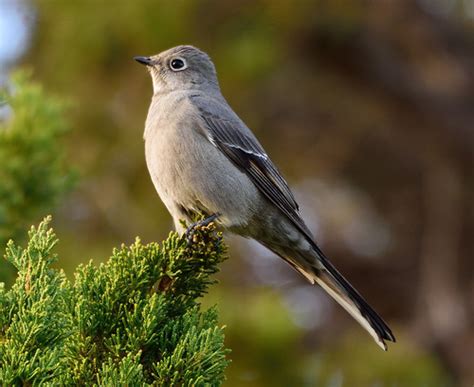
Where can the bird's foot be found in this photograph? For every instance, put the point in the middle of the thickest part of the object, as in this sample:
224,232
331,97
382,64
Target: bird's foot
192,228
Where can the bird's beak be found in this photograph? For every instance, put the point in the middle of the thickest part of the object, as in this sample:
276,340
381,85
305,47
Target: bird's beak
144,60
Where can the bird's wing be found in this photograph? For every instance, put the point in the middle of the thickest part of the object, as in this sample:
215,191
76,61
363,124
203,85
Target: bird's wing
229,134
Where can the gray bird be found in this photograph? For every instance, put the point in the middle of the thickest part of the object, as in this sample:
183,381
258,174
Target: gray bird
202,158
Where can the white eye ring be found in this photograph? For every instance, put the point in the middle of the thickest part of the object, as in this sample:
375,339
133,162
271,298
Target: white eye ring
178,64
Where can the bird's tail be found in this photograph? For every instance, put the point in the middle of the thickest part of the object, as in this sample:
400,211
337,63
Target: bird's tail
342,291
326,275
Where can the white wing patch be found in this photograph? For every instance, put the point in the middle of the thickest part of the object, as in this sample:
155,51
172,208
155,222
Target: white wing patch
261,155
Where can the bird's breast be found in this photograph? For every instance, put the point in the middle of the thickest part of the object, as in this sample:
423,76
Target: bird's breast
190,172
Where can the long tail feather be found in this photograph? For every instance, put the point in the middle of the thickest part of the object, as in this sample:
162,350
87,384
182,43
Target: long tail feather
357,308
322,272
327,276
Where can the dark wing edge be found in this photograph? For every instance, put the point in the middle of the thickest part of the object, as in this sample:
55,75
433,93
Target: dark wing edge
235,140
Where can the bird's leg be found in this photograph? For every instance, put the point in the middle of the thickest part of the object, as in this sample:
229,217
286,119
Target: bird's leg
203,222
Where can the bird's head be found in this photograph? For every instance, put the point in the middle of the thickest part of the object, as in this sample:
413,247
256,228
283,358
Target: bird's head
180,68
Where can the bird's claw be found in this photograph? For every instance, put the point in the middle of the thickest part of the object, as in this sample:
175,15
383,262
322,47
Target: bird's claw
190,231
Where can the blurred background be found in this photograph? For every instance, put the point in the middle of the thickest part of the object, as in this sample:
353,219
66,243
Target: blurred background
367,107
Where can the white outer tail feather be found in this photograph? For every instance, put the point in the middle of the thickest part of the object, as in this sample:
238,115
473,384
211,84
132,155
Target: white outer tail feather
353,310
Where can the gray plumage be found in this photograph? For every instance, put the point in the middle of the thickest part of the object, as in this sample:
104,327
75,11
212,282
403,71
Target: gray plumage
203,159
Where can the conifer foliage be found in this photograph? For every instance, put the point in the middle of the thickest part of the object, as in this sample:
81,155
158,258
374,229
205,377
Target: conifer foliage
34,169
134,320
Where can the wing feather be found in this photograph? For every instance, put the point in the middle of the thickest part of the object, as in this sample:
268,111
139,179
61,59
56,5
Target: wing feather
228,133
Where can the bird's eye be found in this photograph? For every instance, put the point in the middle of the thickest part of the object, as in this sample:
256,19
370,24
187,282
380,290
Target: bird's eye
178,64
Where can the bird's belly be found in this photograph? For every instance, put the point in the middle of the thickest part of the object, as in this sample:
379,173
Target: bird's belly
194,176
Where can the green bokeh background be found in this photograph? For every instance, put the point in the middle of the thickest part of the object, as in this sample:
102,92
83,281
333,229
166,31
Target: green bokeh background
366,107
